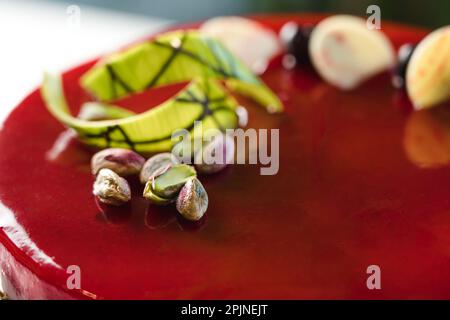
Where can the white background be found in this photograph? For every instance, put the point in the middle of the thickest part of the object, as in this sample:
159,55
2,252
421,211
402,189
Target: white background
38,36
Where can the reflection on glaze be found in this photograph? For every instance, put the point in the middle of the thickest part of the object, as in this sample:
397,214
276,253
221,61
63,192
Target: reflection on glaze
61,144
114,214
158,217
139,213
187,225
20,238
427,138
68,151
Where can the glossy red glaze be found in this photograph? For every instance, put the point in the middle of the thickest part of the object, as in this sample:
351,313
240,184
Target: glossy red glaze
349,193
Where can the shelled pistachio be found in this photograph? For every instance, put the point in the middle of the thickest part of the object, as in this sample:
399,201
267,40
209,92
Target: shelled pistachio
156,164
163,188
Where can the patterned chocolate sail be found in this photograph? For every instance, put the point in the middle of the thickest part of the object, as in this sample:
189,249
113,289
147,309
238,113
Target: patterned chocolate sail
202,100
171,58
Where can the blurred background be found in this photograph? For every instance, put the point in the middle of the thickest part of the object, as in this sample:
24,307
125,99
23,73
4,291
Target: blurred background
57,34
429,13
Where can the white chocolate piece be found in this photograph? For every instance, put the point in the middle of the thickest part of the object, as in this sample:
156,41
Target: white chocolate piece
428,71
248,40
345,52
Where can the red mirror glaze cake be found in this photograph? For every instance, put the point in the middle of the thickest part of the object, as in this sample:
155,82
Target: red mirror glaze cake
363,180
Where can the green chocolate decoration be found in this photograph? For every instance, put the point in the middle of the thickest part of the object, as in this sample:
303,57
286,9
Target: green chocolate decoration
203,99
96,111
174,57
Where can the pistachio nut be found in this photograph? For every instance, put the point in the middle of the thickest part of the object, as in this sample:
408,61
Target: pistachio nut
155,165
192,201
110,188
124,162
166,185
215,155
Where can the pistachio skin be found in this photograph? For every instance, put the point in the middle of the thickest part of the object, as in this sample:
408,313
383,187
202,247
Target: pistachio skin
222,143
156,164
110,188
192,201
124,162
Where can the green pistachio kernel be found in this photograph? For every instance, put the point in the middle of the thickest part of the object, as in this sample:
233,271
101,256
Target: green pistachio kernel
168,184
153,198
163,188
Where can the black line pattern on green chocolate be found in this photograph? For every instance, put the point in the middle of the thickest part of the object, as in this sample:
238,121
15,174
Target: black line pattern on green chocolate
206,111
191,97
175,51
116,78
212,48
217,69
223,61
205,105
